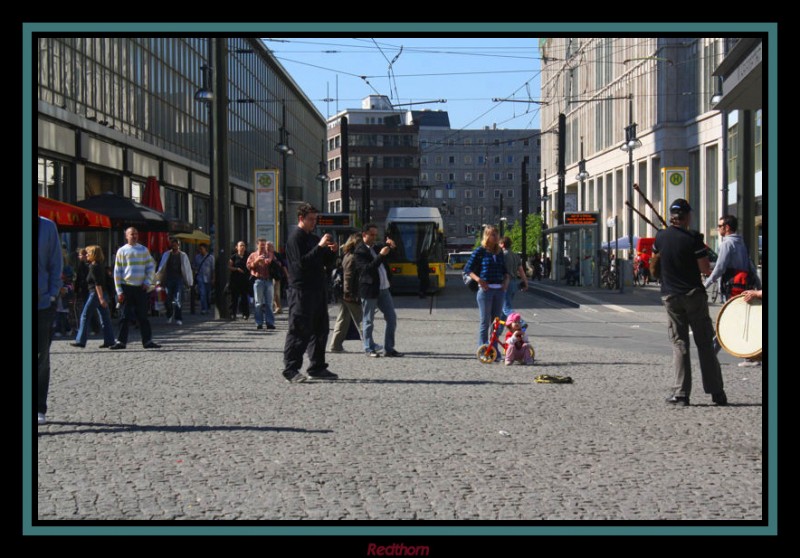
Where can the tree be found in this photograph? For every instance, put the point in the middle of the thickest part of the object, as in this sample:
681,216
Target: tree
533,234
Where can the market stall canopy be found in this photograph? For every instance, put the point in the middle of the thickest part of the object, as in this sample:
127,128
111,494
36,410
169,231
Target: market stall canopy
68,217
124,213
196,237
620,244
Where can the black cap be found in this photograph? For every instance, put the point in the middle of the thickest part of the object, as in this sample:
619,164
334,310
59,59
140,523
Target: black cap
680,206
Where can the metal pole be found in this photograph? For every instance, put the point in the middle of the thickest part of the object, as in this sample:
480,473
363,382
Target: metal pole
284,209
630,191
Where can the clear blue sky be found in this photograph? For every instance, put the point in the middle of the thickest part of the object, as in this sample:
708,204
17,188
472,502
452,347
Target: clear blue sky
467,72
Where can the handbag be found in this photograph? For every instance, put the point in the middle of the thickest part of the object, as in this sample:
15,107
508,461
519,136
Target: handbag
471,283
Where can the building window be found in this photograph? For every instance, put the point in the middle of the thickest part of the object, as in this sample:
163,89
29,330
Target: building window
451,176
481,160
733,152
497,159
481,177
176,204
423,177
438,193
467,193
481,194
467,159
438,160
467,177
467,210
509,193
468,141
497,176
423,160
451,160
496,194
510,159
438,177
54,179
509,176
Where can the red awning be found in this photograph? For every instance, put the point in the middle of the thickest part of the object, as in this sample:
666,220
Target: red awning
71,217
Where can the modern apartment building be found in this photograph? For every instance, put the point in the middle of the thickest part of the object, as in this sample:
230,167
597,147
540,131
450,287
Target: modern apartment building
415,159
475,177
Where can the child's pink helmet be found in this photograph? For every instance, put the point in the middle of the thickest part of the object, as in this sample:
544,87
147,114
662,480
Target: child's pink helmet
513,317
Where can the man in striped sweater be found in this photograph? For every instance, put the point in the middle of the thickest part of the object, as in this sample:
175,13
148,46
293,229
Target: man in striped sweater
133,275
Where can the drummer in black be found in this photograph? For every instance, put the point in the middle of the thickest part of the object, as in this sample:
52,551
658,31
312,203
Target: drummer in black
683,257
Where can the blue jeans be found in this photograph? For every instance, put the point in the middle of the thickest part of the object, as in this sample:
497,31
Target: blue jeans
508,299
175,296
44,319
490,306
385,304
262,293
204,288
92,303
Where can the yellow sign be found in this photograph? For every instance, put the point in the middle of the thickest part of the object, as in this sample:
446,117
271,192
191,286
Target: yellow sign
675,184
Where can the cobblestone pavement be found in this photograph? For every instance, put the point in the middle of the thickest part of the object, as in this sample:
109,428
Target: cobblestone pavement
207,429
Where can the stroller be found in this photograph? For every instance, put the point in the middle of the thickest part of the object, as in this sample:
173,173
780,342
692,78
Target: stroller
489,352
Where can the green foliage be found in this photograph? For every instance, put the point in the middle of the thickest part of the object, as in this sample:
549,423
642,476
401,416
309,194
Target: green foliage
532,236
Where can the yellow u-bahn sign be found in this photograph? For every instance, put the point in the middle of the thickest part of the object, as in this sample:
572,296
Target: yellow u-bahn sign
675,184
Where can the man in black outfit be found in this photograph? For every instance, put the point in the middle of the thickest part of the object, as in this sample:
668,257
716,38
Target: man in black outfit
683,258
307,256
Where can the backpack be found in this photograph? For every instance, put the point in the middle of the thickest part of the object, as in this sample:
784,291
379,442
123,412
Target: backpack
738,282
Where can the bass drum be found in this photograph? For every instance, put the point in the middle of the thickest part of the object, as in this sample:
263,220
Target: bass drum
739,327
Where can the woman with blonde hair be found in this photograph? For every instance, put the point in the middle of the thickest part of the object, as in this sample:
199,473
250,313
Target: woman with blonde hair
351,304
95,299
486,265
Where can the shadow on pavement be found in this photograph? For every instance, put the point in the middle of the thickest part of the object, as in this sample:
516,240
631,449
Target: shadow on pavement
110,428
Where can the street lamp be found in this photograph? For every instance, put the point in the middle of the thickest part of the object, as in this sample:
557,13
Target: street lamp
631,143
285,150
582,174
322,176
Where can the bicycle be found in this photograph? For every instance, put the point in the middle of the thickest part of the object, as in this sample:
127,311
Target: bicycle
608,278
488,352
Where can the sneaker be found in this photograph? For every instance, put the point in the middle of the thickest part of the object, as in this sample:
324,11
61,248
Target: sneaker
377,348
323,375
374,354
169,320
392,353
178,322
259,326
749,363
270,326
105,345
74,344
294,377
41,419
336,350
719,398
509,363
117,346
150,345
678,401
